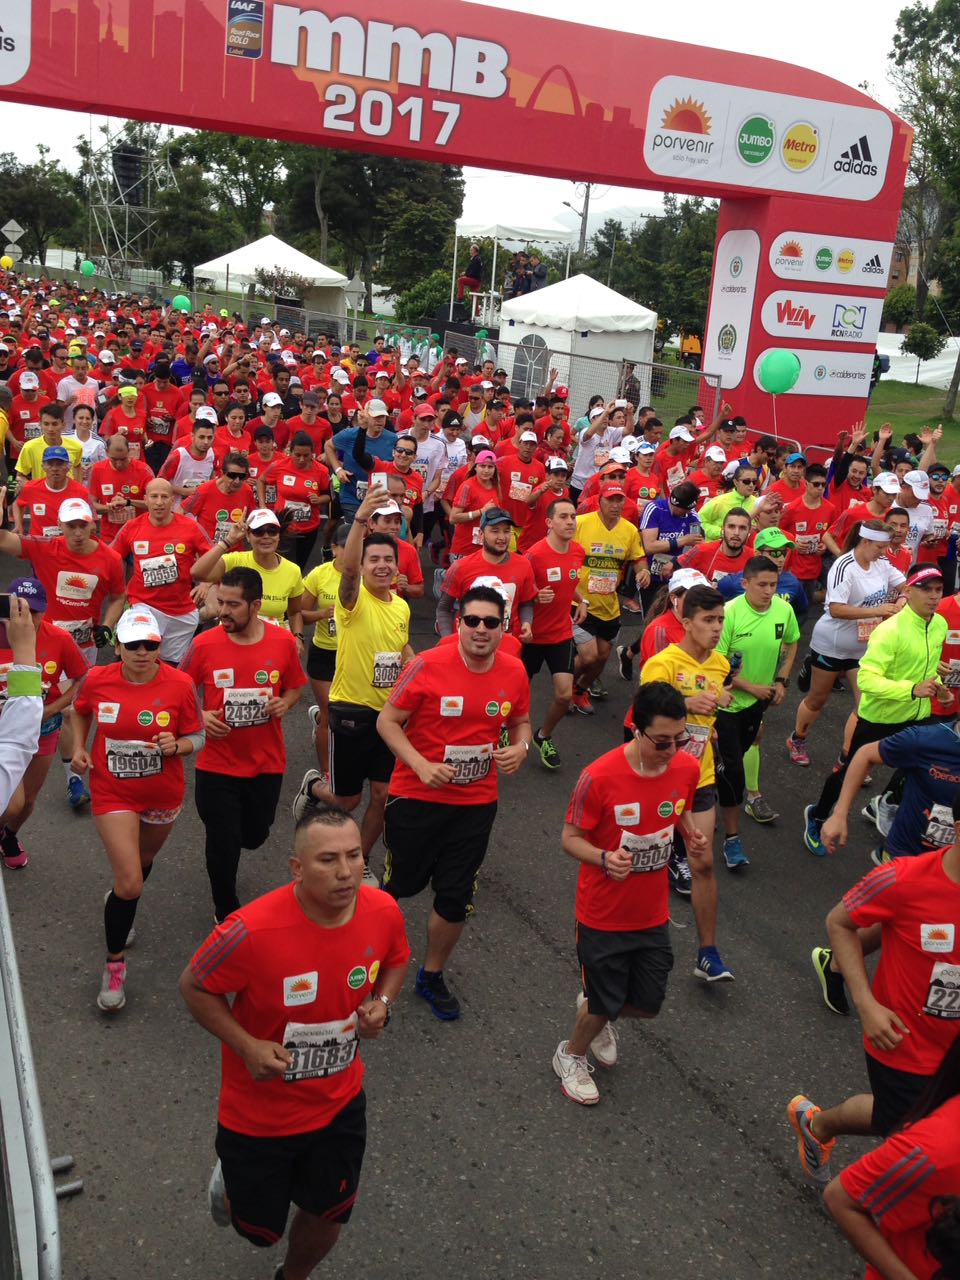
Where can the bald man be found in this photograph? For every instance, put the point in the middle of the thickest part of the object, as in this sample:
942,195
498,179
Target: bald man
164,545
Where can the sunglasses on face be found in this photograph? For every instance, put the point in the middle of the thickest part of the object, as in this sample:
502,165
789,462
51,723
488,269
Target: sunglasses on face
744,480
473,620
236,475
406,453
151,646
665,744
779,554
266,531
817,484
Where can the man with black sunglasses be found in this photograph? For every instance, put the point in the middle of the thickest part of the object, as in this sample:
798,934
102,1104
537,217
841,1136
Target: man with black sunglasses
443,722
620,827
806,521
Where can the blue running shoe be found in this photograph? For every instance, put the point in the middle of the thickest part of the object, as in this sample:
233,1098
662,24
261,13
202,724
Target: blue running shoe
77,793
434,990
710,968
811,833
733,854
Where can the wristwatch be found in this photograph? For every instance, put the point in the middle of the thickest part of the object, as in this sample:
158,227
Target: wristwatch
385,1002
784,680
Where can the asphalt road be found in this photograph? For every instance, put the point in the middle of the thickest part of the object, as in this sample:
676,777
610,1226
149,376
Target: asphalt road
476,1164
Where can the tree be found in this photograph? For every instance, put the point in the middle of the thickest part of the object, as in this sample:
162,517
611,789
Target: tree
246,173
42,197
924,342
278,280
900,306
424,298
189,226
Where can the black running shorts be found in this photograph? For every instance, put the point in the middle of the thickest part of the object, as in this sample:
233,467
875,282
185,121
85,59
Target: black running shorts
894,1093
442,845
318,1171
624,968
558,657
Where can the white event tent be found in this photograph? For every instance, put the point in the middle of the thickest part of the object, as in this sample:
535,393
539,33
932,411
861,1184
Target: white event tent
575,318
507,233
327,291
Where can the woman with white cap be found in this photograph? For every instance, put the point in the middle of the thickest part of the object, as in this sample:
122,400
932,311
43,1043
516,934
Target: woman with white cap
282,580
146,716
862,589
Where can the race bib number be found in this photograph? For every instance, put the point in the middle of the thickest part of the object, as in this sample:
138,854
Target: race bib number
939,825
676,475
808,545
699,737
130,759
81,629
943,996
270,493
602,582
245,707
52,531
160,426
300,512
661,566
159,571
319,1049
470,764
866,628
952,681
649,852
519,491
386,670
120,515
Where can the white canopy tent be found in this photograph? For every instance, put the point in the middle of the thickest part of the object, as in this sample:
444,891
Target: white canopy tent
240,266
507,233
579,317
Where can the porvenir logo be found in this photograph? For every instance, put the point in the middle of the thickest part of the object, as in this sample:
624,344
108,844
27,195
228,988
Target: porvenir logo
790,255
688,123
856,159
800,146
755,140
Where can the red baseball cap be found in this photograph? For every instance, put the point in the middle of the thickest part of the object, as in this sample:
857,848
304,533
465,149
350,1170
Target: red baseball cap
612,491
561,391
425,411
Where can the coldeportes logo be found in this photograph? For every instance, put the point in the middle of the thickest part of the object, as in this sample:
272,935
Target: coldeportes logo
727,339
755,140
873,267
824,258
800,146
687,124
856,159
820,372
846,260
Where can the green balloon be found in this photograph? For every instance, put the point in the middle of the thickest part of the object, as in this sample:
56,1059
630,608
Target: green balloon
87,268
779,371
181,303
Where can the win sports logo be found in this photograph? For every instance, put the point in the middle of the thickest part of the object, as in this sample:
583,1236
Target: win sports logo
857,159
874,267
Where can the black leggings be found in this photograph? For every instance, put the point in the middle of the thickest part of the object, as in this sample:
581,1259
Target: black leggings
299,547
736,734
864,731
237,813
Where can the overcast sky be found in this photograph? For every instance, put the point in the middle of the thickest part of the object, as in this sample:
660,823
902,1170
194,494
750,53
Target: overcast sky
848,42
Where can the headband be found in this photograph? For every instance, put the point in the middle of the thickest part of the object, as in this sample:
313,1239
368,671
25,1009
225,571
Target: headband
874,535
924,575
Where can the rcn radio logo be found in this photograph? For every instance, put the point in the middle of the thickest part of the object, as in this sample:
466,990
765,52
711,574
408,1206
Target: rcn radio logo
14,40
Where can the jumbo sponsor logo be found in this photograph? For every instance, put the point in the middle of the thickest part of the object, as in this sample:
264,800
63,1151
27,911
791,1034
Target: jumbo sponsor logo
803,255
685,128
800,146
755,140
14,40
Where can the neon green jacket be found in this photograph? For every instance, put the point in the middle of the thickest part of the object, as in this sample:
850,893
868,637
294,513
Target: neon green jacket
901,652
712,513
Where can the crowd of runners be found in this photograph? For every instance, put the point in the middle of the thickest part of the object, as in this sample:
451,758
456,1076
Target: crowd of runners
213,514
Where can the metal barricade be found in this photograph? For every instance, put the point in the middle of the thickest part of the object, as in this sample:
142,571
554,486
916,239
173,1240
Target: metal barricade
34,1242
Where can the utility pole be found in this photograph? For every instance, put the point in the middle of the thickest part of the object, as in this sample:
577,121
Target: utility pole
583,214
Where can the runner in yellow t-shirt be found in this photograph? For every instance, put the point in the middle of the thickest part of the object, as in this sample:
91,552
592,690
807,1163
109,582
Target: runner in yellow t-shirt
611,545
30,457
321,587
373,645
701,675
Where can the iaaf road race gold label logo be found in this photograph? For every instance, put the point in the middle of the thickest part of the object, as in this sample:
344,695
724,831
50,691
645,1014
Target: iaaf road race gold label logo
14,40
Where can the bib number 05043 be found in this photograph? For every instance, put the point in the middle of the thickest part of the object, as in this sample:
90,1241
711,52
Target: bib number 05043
376,112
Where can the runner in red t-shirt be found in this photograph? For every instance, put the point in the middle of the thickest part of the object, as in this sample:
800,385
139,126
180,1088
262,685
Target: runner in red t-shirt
249,676
541,499
520,473
61,665
303,493
944,502
806,521
556,562
495,565
147,716
443,722
118,486
476,494
313,967
43,502
716,559
908,1010
620,827
218,504
24,413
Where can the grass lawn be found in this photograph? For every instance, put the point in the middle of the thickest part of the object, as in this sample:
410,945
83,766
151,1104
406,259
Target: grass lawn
908,407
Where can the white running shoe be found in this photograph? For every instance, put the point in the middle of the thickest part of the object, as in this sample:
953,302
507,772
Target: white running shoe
217,1197
370,878
605,1044
575,1076
132,935
313,712
112,996
303,799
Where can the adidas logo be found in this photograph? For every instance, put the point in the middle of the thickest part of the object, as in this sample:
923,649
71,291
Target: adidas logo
856,159
874,267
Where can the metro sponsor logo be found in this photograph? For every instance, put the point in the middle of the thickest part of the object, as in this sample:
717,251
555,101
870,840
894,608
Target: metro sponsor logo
800,146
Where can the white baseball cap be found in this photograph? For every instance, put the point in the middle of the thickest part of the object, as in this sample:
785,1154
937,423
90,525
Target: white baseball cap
529,435
207,414
597,412
644,446
106,357
715,454
486,384
74,509
681,433
461,360
377,409
288,357
29,381
684,579
629,443
887,481
341,375
261,516
388,509
919,482
558,464
138,623
271,400
619,454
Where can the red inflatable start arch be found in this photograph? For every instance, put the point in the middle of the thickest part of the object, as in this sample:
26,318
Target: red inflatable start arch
810,172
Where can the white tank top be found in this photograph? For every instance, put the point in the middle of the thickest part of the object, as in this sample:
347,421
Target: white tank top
191,472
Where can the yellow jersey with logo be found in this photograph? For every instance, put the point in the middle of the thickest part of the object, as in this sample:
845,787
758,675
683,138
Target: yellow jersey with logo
370,641
606,554
280,585
684,672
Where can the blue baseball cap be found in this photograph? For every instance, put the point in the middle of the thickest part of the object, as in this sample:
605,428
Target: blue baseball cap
31,590
55,453
797,457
